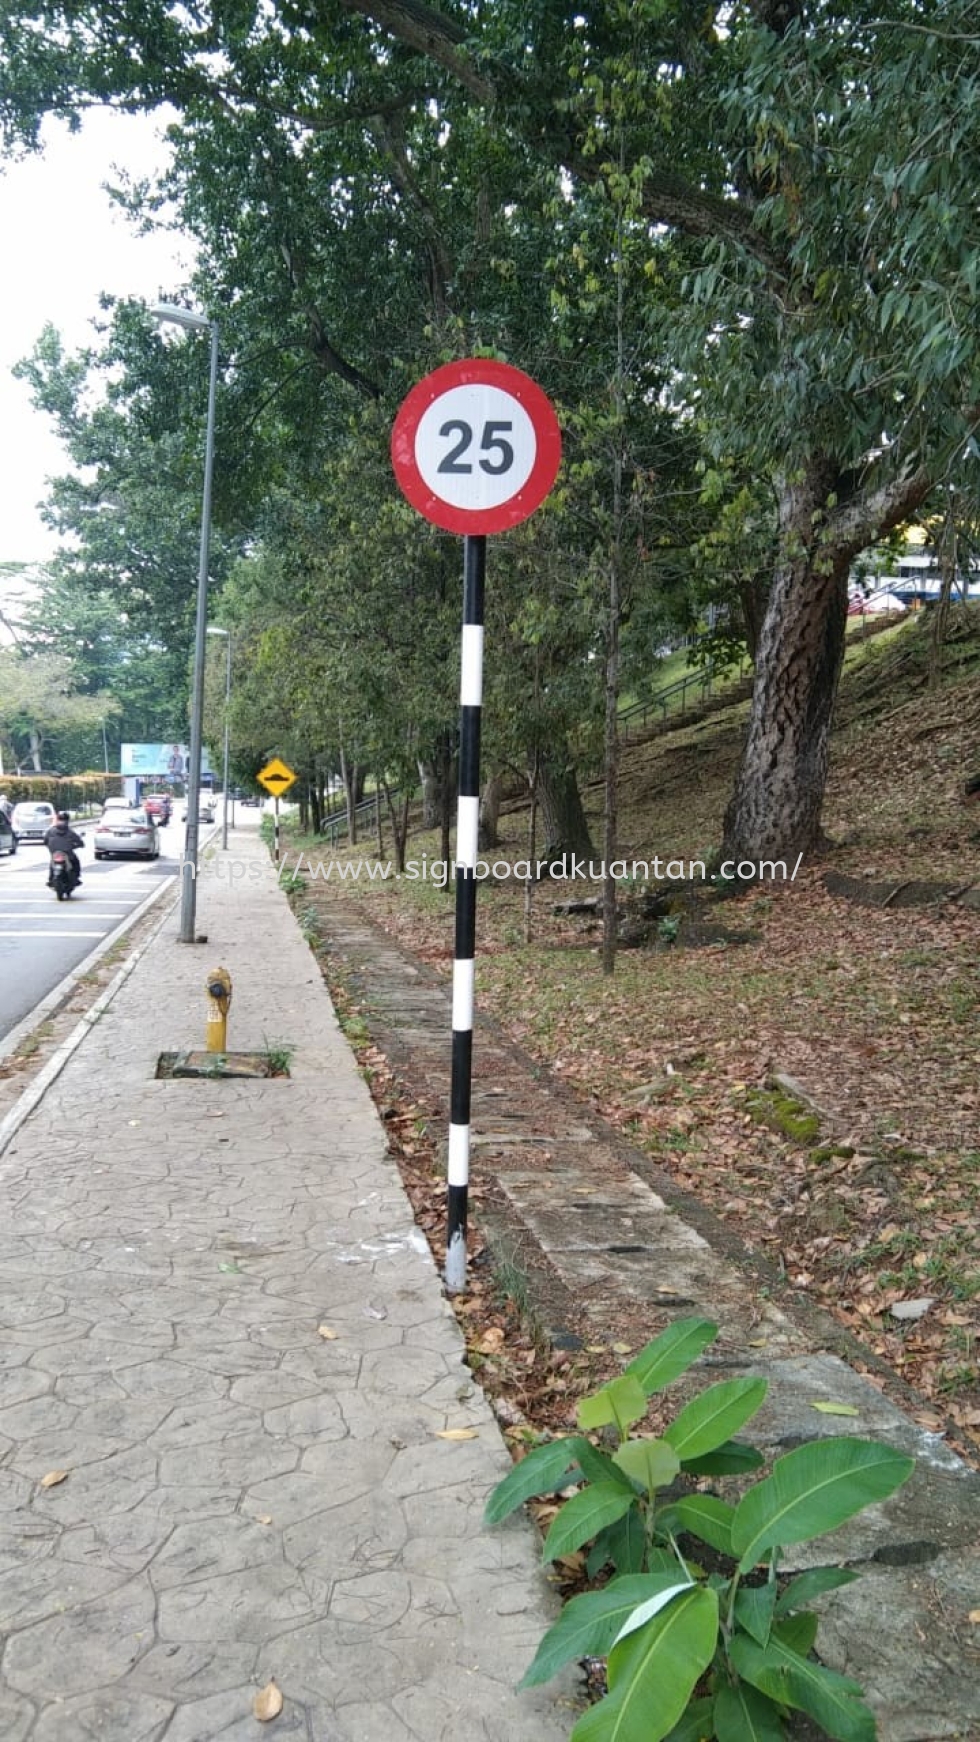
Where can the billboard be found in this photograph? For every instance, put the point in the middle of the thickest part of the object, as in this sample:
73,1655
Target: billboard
158,761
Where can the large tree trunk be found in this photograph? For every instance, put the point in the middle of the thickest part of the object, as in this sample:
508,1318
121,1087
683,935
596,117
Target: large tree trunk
565,827
775,809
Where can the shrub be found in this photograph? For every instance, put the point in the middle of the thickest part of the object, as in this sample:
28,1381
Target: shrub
696,1654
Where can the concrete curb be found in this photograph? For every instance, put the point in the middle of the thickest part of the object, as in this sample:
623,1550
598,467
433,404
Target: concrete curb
36,1090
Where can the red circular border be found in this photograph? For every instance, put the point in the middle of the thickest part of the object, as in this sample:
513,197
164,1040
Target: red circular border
480,370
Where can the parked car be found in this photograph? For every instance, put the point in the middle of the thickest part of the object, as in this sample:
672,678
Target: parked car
31,821
159,805
8,840
129,833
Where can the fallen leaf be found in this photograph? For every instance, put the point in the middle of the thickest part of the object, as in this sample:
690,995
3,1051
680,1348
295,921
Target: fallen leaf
326,1333
457,1433
622,1349
53,1477
264,1518
268,1703
231,1269
975,1616
491,1342
836,1408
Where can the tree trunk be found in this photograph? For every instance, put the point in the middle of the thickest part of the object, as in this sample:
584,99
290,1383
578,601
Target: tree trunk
438,777
775,808
566,830
399,824
489,831
752,593
948,557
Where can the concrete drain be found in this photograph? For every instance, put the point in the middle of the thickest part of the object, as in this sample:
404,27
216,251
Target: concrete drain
220,1064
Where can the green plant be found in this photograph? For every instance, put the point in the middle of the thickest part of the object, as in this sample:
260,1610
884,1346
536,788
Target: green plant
668,928
278,1056
695,1654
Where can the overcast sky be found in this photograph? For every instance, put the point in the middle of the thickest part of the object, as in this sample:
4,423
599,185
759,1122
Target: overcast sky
63,243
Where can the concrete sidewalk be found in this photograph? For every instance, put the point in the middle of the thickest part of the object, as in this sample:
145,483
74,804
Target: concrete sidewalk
220,1323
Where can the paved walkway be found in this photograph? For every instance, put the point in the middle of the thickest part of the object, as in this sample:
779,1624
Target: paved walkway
218,1321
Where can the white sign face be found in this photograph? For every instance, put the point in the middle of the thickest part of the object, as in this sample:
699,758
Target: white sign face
475,446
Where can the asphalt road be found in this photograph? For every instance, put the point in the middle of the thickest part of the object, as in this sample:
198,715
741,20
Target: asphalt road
42,939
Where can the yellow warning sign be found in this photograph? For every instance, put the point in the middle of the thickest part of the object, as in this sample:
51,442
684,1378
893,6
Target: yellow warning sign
276,777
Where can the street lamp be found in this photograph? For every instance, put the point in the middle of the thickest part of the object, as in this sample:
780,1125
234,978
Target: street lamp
182,317
213,630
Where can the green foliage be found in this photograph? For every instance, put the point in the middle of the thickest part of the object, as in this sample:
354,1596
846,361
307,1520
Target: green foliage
694,1655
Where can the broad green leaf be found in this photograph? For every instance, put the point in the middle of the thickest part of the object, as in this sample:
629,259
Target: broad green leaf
653,1673
709,1420
672,1353
544,1471
619,1404
785,1676
705,1517
799,1632
652,1463
588,1625
652,1607
598,1466
582,1517
697,1724
742,1714
754,1609
731,1459
814,1489
813,1584
627,1547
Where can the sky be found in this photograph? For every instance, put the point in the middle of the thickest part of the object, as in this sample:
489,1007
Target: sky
63,243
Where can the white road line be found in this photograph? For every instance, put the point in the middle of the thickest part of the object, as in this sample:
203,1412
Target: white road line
50,934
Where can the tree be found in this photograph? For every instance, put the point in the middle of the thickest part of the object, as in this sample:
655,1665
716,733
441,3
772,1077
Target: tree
817,168
38,703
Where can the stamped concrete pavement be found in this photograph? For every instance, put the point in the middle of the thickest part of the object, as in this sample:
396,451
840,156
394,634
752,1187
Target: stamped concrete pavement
225,1345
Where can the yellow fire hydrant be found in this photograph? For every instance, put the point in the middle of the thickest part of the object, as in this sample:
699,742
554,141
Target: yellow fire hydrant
219,1000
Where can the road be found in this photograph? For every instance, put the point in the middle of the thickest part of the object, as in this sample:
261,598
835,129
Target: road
42,939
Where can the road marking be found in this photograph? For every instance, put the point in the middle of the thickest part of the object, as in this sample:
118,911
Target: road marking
50,934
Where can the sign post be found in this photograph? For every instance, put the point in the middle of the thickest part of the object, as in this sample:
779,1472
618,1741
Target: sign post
476,448
277,779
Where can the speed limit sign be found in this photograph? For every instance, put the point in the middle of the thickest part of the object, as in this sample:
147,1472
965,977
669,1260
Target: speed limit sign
476,446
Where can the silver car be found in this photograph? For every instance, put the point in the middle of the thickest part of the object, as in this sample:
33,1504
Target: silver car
128,833
32,821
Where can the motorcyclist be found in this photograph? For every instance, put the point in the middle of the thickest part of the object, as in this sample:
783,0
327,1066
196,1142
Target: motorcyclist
61,838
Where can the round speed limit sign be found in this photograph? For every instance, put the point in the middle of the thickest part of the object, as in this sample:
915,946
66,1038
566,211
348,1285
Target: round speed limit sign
476,446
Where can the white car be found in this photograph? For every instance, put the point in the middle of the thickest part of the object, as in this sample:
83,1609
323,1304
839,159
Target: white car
31,821
130,833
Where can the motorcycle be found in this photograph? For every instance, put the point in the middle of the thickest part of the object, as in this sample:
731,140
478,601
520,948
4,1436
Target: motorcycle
63,876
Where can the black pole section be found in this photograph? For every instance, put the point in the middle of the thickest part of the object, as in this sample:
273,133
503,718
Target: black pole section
467,831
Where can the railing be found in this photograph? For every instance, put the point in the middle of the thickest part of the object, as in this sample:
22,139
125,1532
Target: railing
334,827
675,697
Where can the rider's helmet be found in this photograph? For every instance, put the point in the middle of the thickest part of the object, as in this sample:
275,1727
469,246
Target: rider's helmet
64,817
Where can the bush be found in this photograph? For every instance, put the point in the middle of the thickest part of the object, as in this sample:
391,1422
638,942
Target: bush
695,1654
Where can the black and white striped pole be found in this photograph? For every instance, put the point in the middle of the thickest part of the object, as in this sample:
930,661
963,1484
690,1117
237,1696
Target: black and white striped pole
464,961
476,448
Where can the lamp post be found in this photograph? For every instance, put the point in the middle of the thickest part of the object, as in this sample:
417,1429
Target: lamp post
183,317
213,630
